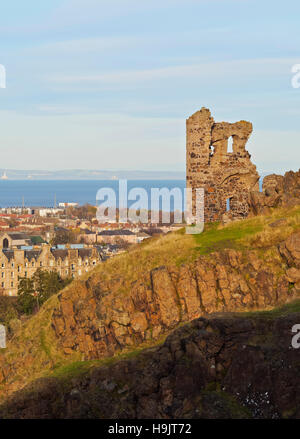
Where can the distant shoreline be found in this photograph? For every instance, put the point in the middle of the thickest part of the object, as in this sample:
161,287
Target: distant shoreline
88,174
91,175
91,179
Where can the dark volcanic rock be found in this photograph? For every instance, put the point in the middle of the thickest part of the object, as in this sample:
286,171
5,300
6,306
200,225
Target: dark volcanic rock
226,366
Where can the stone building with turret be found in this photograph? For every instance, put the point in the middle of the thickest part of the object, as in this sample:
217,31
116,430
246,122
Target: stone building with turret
218,162
18,259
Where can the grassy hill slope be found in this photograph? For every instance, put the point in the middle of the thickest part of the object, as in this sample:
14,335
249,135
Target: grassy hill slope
119,307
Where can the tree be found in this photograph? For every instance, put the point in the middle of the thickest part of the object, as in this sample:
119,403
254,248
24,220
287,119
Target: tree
12,223
123,244
34,291
26,299
8,309
86,212
63,236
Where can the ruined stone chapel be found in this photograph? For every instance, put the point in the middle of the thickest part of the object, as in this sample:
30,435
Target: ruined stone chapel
218,162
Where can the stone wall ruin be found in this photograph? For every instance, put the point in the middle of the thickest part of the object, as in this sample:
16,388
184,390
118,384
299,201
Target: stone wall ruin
227,176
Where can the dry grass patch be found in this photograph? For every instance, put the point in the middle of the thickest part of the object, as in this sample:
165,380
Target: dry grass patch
171,249
271,236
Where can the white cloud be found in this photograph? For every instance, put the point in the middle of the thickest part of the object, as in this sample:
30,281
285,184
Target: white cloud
87,45
247,68
88,11
62,109
104,43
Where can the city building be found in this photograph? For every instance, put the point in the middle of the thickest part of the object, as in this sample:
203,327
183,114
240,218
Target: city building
21,256
112,236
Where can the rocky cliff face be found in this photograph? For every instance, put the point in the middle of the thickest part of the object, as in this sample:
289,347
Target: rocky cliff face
97,322
226,366
277,191
95,319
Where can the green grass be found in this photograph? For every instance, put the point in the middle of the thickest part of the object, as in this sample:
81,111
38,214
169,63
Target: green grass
251,233
66,372
284,310
73,370
215,238
230,406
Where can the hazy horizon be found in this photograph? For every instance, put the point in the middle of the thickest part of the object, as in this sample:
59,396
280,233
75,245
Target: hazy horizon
92,174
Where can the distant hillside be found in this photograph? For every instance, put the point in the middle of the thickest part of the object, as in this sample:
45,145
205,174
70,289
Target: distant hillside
81,174
90,174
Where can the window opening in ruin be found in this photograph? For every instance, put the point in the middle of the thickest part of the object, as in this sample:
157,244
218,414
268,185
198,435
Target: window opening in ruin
230,145
228,204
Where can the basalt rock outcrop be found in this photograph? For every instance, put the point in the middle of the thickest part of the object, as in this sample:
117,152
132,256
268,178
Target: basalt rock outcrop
97,322
277,191
96,318
224,366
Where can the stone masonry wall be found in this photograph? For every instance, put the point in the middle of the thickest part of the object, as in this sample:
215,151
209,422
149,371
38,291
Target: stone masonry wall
224,175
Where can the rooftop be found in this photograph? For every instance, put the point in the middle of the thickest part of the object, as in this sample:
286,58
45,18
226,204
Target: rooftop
115,232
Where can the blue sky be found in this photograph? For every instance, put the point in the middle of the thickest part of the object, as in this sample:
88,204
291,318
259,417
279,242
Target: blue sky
96,84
